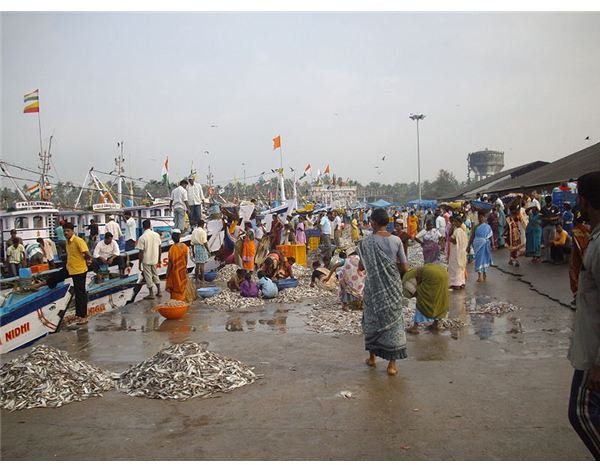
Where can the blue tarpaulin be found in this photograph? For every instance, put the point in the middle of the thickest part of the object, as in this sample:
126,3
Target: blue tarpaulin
424,203
380,204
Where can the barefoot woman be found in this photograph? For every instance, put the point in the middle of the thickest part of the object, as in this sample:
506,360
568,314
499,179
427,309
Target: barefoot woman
382,256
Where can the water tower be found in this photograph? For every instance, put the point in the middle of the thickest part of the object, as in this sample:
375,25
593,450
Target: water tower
484,163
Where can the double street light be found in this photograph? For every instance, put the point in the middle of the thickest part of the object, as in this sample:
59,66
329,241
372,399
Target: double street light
417,118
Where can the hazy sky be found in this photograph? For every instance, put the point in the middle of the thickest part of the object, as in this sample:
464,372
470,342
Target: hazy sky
338,87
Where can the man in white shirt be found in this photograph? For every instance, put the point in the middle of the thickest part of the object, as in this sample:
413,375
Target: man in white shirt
113,228
326,233
178,204
149,255
130,232
107,253
260,230
195,199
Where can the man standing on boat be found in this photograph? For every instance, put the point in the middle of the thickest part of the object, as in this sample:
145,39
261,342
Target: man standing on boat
130,232
195,198
149,247
113,228
178,204
78,259
61,240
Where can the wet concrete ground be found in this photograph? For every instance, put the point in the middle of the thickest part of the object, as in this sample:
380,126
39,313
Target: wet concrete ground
479,392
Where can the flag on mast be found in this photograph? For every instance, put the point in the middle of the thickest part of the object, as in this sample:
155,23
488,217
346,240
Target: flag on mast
32,102
276,142
307,169
165,171
34,189
327,169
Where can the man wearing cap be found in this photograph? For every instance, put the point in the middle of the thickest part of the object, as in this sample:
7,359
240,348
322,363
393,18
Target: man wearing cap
78,259
178,204
195,198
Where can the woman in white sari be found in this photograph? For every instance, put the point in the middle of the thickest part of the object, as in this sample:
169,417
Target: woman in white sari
457,259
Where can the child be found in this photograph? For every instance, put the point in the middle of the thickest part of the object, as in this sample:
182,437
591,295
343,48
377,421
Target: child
234,283
268,288
248,287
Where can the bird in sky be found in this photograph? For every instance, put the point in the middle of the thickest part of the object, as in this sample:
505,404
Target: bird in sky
587,138
376,167
214,125
383,158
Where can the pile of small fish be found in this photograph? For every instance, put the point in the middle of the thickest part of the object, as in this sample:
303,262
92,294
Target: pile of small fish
227,272
304,291
335,320
415,255
301,272
229,300
184,371
49,377
494,308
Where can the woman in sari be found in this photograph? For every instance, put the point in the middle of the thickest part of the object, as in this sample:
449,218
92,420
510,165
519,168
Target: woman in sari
300,234
248,248
429,238
412,224
429,284
515,239
276,229
352,282
457,253
482,239
177,274
533,235
355,229
382,257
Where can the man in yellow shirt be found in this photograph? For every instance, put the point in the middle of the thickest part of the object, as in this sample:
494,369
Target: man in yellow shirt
78,259
558,246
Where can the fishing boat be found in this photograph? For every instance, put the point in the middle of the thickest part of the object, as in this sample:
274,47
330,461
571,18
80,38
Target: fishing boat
26,316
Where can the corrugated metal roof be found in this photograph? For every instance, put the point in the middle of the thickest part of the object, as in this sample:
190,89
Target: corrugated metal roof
569,167
486,184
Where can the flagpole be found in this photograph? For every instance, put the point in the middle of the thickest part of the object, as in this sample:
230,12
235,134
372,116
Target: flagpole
42,180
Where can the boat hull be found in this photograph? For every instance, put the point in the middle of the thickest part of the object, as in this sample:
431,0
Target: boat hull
33,319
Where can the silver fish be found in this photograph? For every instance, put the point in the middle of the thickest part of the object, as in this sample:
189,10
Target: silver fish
184,371
49,377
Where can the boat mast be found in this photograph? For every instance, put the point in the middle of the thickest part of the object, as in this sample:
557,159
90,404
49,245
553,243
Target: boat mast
120,171
45,167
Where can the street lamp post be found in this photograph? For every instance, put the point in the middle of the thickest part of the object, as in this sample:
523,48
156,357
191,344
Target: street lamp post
417,117
244,168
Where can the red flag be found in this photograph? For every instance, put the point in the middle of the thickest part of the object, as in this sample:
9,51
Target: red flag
326,170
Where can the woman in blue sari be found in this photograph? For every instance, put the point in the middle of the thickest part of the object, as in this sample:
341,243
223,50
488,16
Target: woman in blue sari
533,235
382,257
482,240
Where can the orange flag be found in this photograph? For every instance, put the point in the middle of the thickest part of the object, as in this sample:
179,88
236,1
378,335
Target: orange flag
276,142
326,171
